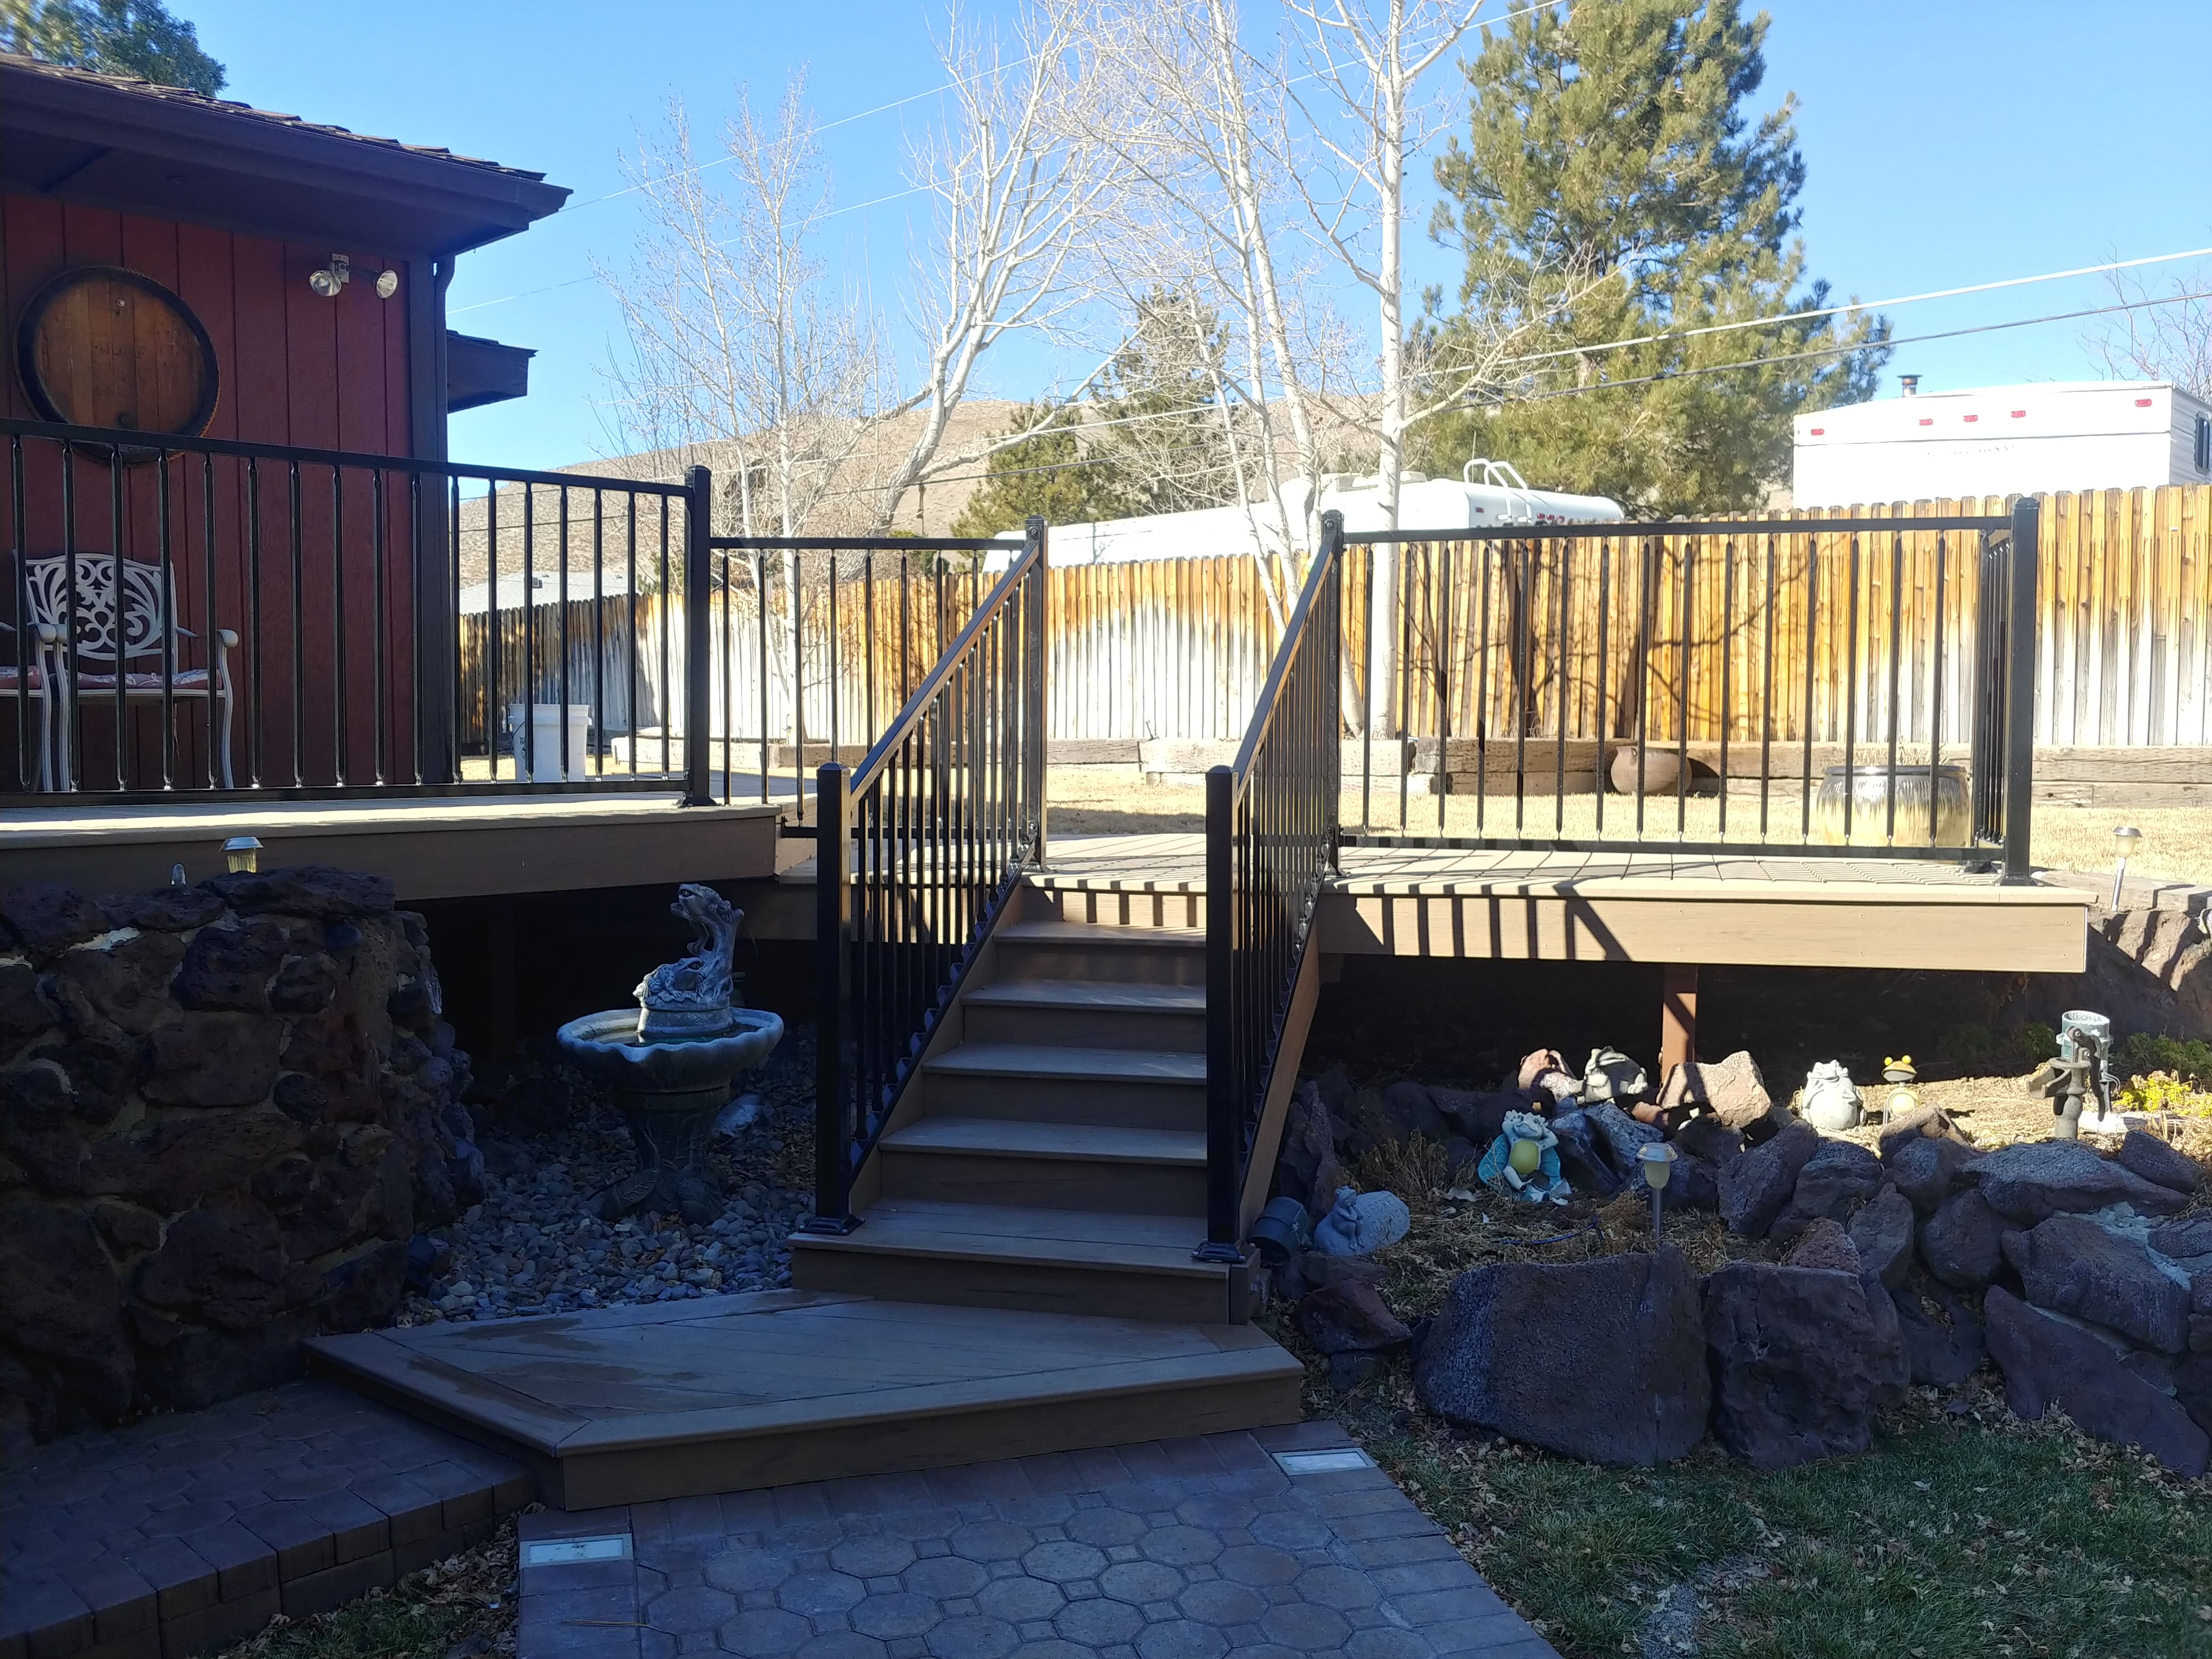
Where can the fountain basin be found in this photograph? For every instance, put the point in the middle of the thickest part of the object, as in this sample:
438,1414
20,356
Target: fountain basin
669,1089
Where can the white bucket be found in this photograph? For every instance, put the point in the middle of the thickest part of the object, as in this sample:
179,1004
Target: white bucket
544,743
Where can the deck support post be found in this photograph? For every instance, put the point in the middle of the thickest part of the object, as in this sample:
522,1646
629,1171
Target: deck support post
1678,1017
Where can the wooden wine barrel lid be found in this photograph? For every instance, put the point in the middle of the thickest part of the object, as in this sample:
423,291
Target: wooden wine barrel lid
103,346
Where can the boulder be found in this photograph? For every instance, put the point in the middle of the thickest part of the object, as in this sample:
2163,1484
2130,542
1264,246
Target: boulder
127,984
2184,1239
1824,1244
1941,1331
1314,1270
2027,1182
1619,1137
1708,1138
164,910
1757,1184
2047,1362
309,889
2076,1266
1840,1176
24,1012
212,1060
47,918
227,969
1480,1116
2192,1387
1694,1185
1961,1242
174,1165
1731,1089
1602,1359
1928,1123
1580,1161
228,1266
1883,1233
1410,1111
1926,1171
1308,1142
2155,1160
61,1301
1802,1359
1348,1316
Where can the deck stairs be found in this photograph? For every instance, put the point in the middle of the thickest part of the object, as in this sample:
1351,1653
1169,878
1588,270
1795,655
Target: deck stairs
1055,1157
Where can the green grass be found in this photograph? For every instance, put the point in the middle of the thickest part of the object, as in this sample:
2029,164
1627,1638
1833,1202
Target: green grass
1955,1535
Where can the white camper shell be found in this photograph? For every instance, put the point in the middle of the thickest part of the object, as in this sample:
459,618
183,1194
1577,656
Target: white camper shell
1485,493
2004,441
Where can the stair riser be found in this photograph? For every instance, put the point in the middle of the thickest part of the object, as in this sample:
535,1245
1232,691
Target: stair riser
1043,1287
1096,961
1087,1027
1069,1100
1048,1183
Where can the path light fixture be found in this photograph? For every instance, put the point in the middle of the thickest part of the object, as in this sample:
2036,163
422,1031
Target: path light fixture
243,854
1657,1159
2124,839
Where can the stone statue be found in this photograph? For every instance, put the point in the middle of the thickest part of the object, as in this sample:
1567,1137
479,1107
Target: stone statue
690,997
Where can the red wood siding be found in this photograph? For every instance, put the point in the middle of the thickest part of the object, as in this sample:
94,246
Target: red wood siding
294,368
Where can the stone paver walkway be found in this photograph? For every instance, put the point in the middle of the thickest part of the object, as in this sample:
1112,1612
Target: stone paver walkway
1204,1548
181,1534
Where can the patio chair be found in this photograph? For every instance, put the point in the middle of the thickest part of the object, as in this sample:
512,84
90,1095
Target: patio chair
114,628
32,680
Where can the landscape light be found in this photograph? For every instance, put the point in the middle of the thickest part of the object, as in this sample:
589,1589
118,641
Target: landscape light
2124,838
243,854
1657,1159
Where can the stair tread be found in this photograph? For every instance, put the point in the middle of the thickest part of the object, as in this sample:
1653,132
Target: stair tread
1046,1060
1090,993
1095,933
1099,1238
1077,1142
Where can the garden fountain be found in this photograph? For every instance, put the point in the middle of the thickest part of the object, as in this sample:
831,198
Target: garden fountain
670,1061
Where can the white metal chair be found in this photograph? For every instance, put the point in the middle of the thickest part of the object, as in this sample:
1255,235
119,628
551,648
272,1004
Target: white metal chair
114,628
32,679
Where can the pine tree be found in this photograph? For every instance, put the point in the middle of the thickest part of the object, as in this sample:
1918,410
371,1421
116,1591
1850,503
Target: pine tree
115,37
1612,162
1048,474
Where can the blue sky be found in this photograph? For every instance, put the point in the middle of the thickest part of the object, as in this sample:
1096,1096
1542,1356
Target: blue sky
1948,142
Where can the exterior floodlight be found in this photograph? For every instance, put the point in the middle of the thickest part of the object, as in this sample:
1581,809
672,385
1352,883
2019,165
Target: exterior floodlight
1656,1158
243,854
387,284
2124,838
332,277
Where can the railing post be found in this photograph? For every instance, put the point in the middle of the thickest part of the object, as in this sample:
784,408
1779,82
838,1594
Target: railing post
698,668
2026,553
1225,1111
1036,617
1332,542
833,955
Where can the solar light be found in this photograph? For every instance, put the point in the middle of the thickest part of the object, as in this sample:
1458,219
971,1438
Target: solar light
1656,1158
2124,838
243,854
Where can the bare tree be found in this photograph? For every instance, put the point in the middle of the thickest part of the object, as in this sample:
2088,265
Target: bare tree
2163,336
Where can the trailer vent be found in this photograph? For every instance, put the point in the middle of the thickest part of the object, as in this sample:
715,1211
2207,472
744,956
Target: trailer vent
2204,443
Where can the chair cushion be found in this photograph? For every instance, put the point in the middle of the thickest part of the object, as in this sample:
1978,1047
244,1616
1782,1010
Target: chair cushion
35,677
189,682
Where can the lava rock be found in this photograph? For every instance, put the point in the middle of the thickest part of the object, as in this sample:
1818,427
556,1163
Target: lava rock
128,1230
1758,1183
1929,1123
2184,1239
212,1060
174,1165
2076,1266
24,1012
188,1368
1708,1138
1942,1334
1309,1144
228,1267
1883,1233
1313,1270
1601,1359
1801,1362
1481,1117
1580,1161
1348,1316
164,910
364,1288
307,889
47,918
2153,1160
1695,1184
2047,1362
429,1259
1962,1242
61,1301
1836,1180
1926,1171
1824,1243
1731,1089
227,969
1620,1138
35,1095
126,985
304,985
2027,1182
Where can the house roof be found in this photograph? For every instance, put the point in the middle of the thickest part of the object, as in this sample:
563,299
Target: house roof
173,153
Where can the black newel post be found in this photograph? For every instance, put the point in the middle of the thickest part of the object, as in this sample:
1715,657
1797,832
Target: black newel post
698,665
2020,692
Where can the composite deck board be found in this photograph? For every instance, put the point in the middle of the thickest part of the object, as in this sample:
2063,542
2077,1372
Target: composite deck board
1155,1243
1047,1061
1103,994
1074,1141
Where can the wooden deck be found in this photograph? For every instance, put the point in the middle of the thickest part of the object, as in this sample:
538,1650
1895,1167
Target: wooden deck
434,846
625,1405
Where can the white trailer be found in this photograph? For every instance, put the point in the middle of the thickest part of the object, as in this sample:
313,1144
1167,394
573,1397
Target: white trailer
1485,493
2004,441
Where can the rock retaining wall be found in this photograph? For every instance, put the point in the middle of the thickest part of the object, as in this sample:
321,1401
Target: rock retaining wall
224,1111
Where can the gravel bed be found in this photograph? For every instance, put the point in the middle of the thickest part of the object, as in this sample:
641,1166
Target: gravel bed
536,1245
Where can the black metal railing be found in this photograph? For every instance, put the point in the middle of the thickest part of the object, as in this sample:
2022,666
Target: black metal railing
196,614
818,642
1271,842
1860,688
918,849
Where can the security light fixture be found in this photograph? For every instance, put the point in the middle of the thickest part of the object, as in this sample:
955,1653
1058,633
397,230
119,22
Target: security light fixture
243,854
332,277
387,284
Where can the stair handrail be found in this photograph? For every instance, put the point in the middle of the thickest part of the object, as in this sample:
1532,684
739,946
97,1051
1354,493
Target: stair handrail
1272,838
917,851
